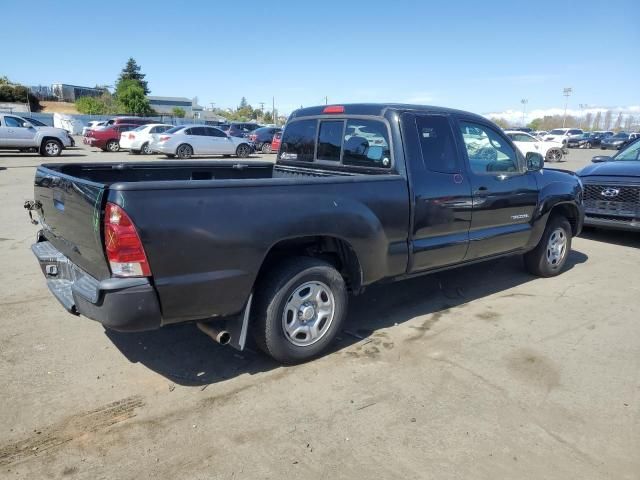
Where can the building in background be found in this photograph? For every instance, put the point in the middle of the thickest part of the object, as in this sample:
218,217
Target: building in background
167,104
70,93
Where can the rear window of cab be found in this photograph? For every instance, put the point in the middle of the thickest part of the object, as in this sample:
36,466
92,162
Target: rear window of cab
350,141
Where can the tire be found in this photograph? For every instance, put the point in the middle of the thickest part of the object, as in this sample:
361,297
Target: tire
145,149
546,260
50,148
278,304
554,155
113,146
266,147
184,151
243,150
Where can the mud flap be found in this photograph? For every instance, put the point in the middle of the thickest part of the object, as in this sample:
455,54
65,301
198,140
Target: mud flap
239,327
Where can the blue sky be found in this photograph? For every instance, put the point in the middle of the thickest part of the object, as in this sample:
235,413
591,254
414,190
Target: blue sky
482,56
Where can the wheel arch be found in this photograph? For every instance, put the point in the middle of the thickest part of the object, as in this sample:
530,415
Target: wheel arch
334,250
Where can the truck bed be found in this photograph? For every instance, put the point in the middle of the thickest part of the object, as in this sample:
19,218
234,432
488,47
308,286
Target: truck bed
206,227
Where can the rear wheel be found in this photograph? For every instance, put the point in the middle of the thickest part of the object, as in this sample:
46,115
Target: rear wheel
184,151
243,150
51,148
266,147
146,149
554,155
299,309
113,146
550,255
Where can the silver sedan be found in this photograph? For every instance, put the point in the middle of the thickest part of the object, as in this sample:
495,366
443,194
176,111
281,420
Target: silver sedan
185,141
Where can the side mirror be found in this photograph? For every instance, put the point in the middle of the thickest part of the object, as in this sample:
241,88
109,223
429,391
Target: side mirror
27,125
600,159
535,161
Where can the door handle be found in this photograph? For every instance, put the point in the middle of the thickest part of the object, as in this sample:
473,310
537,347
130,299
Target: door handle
481,191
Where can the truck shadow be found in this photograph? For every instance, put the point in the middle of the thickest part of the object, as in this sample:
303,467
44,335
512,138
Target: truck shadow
186,356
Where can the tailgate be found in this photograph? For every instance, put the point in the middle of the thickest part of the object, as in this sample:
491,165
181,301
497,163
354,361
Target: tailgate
70,211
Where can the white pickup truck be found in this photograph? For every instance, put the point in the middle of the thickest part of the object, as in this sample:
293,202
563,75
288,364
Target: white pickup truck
16,133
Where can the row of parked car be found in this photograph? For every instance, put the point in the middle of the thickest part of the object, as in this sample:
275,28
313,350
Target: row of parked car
144,136
578,138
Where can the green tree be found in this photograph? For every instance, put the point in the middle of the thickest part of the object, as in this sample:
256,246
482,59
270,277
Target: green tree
535,124
131,98
178,112
91,106
268,118
618,125
501,122
607,119
131,71
243,103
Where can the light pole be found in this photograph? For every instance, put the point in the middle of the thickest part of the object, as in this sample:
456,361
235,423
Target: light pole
582,107
524,102
566,92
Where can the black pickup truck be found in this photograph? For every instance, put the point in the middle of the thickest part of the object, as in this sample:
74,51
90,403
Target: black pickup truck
359,194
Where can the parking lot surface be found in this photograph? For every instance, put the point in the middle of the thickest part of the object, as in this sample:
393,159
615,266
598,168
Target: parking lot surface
480,372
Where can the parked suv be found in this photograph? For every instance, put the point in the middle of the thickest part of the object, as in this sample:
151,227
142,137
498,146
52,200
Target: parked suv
241,129
562,134
16,133
108,138
262,138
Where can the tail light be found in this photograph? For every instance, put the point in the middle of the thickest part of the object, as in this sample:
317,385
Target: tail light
132,136
164,138
123,246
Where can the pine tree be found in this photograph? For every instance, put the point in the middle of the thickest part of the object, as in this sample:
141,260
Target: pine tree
243,103
131,71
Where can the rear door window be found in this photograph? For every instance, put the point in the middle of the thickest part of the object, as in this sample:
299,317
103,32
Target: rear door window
330,140
198,131
437,144
299,141
366,143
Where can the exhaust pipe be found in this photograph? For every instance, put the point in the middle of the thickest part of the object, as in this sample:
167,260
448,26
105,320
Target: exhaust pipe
221,336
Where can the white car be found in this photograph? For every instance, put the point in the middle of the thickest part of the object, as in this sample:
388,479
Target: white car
185,141
551,151
562,134
92,125
137,140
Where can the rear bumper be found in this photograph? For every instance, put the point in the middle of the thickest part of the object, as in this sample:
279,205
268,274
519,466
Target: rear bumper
124,304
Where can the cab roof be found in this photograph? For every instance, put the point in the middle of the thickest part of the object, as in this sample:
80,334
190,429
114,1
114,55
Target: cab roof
379,109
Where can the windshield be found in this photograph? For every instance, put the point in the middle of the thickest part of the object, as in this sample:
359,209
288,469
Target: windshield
175,129
621,135
139,129
557,132
631,153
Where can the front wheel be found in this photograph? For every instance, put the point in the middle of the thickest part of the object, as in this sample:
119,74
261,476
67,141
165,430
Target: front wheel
550,255
299,309
113,146
51,148
243,150
184,151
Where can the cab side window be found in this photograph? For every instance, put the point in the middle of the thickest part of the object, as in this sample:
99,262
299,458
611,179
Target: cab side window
13,122
436,143
487,151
